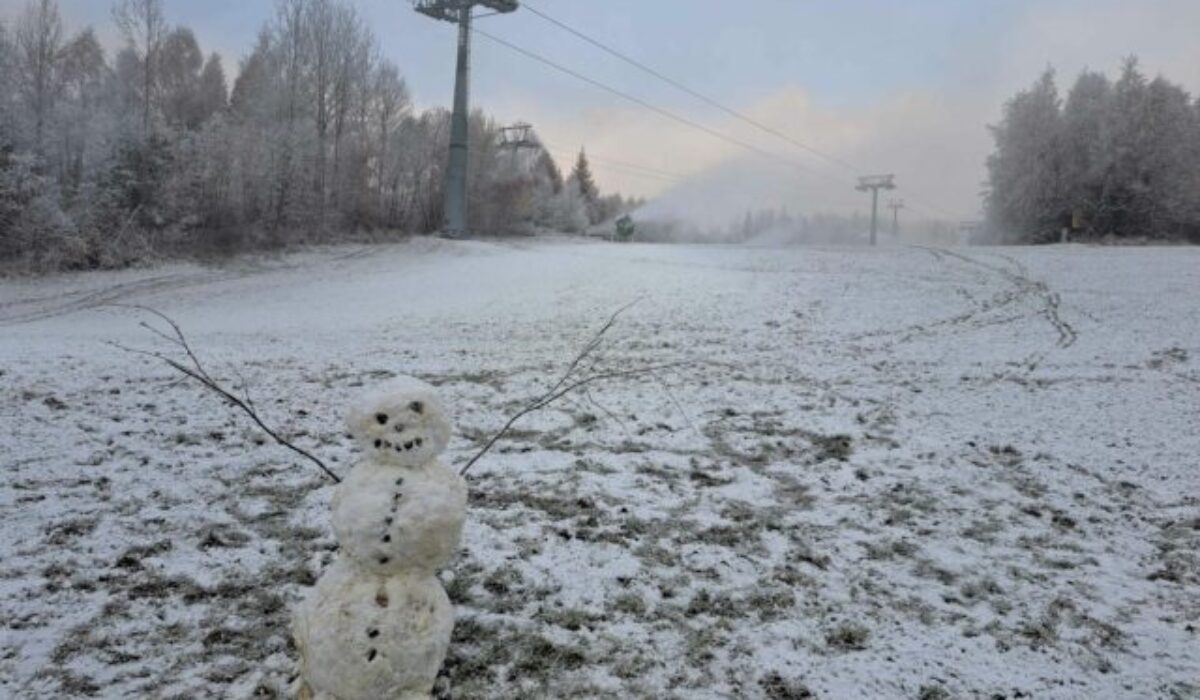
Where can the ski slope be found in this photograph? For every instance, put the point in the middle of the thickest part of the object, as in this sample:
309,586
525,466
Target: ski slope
889,473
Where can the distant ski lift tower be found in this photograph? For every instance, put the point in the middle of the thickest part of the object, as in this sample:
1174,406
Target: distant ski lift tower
874,183
519,139
518,136
896,205
459,12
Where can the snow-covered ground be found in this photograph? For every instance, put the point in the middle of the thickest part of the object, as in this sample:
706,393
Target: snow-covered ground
893,473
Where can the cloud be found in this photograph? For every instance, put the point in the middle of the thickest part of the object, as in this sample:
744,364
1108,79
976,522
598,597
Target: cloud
935,147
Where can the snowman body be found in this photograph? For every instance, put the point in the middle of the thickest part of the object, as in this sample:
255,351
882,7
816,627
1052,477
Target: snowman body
378,623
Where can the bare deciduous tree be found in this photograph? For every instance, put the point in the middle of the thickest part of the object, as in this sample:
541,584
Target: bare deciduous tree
82,76
38,41
144,27
7,90
179,64
391,101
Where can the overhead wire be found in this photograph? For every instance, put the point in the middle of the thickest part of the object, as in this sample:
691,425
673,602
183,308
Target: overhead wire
741,116
603,166
694,93
602,159
650,106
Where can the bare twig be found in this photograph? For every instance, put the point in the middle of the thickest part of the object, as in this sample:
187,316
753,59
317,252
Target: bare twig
566,384
547,399
592,344
194,369
678,406
587,394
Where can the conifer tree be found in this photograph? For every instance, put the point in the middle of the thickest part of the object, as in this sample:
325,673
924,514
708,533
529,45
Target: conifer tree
582,178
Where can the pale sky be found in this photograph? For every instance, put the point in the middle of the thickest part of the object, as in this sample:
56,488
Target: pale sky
900,87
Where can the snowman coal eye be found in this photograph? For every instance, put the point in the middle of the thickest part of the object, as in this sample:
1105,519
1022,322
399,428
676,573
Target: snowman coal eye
417,407
382,418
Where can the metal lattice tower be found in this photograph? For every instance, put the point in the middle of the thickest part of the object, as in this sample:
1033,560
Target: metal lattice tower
896,205
519,139
459,12
518,136
872,184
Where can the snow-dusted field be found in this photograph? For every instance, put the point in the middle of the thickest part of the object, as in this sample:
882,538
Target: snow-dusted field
897,473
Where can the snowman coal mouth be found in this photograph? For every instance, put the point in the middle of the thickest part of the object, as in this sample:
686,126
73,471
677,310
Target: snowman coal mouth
400,446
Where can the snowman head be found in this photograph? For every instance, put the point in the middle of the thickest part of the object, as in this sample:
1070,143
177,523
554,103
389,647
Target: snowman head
401,422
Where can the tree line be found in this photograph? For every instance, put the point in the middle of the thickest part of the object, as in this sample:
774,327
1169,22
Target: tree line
108,161
1117,160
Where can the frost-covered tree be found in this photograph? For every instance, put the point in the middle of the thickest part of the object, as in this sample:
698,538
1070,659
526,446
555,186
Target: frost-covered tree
1025,173
568,211
1169,160
38,39
7,89
254,72
1119,161
212,95
548,172
389,104
1192,226
1127,196
179,64
584,183
356,60
33,228
326,27
1085,158
85,110
114,157
145,29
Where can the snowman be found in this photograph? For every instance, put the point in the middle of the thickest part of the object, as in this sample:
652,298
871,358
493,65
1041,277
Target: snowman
377,624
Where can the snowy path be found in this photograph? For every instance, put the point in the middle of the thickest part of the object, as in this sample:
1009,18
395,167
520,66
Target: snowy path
892,472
